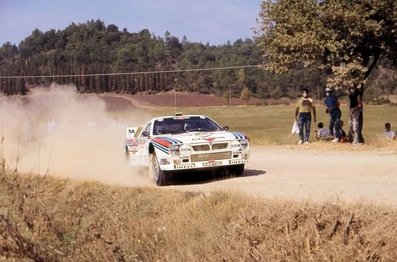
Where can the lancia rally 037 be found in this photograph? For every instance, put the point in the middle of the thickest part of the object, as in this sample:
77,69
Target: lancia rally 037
171,144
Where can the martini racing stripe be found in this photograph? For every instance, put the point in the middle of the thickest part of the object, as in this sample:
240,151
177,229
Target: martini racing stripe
238,135
162,142
160,147
171,140
166,141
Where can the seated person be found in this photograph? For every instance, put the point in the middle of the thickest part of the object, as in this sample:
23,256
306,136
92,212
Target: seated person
322,133
389,134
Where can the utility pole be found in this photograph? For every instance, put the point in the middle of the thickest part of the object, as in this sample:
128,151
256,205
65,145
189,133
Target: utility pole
230,96
175,80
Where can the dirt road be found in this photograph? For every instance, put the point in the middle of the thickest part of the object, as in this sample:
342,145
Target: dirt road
314,174
89,146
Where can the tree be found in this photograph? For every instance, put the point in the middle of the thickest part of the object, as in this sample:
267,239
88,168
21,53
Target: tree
8,50
343,38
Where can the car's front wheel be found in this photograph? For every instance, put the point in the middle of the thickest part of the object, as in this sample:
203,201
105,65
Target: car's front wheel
159,176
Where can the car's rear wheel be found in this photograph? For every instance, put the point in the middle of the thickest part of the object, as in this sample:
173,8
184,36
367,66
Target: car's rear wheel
237,170
159,176
127,154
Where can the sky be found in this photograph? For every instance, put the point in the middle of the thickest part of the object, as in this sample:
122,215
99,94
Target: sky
205,21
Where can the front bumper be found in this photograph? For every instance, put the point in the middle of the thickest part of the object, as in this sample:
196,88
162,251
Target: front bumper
178,163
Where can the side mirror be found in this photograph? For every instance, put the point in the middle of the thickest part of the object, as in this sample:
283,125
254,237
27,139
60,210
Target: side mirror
226,128
145,134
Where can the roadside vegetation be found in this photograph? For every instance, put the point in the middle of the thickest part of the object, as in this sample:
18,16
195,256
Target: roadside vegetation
43,218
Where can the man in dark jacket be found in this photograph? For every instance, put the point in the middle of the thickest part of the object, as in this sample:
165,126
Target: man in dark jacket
335,114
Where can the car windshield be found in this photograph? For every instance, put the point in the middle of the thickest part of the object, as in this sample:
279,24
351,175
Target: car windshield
179,125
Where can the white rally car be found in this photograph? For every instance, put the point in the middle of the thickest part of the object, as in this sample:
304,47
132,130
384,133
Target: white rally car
185,142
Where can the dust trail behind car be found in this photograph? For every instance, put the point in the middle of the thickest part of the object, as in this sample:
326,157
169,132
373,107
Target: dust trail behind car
57,131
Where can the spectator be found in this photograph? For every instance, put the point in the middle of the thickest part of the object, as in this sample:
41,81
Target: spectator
303,115
335,114
355,115
389,133
360,89
322,133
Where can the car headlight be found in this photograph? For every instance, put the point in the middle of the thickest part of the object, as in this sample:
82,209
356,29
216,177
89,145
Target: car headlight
174,150
244,144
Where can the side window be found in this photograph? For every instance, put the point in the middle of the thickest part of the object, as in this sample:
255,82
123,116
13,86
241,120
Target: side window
146,132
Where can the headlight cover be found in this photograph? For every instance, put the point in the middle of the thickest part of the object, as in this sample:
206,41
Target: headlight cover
174,150
244,144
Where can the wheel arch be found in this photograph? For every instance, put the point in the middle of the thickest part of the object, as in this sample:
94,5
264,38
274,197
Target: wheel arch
151,149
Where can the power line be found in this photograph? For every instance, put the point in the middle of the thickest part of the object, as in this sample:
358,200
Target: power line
130,73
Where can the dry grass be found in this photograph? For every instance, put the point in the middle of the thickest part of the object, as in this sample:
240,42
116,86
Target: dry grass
43,218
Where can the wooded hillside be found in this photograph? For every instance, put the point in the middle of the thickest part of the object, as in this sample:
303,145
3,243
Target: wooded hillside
144,62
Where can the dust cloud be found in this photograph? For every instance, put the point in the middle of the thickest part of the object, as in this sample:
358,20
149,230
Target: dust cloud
56,131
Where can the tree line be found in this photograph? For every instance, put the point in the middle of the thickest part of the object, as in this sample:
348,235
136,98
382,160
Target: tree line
89,55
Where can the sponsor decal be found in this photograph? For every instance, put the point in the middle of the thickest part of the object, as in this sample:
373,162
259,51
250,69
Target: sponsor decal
236,162
164,161
212,163
131,142
204,134
187,166
209,139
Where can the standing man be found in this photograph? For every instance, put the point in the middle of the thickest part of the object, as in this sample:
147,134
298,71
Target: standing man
360,88
303,115
332,104
355,115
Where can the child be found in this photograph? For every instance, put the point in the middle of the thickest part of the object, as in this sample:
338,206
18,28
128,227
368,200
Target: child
322,133
389,133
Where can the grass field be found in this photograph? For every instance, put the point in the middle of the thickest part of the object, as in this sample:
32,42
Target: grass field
271,125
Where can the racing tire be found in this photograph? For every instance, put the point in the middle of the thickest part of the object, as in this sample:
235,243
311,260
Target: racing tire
159,176
237,170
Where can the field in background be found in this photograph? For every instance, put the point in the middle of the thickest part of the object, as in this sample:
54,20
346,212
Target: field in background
43,218
271,125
